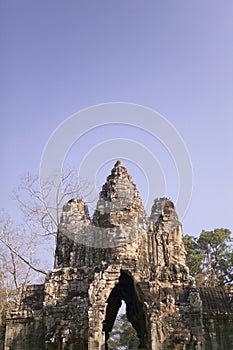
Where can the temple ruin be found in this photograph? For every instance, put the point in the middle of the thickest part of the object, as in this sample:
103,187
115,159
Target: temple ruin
120,254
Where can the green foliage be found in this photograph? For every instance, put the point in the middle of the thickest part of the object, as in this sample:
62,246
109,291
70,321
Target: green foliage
123,335
210,257
194,258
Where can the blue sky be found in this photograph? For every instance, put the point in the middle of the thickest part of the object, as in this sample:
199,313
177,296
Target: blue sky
175,57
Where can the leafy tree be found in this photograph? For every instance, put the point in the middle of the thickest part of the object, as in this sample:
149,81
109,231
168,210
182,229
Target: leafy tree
210,257
194,258
123,335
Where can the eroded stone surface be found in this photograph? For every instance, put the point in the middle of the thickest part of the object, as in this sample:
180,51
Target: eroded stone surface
120,254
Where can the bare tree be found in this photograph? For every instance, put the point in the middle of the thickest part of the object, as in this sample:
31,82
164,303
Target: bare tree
18,265
17,254
41,206
41,203
22,245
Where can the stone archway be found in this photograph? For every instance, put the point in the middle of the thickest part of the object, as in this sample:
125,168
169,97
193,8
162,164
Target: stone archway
77,305
125,290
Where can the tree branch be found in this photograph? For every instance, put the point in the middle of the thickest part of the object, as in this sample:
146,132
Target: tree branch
22,258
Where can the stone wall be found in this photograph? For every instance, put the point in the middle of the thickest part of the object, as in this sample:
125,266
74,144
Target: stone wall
120,254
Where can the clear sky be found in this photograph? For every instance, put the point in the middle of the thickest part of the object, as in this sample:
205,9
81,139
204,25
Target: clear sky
175,57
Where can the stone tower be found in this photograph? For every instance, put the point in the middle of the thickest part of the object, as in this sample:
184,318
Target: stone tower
120,254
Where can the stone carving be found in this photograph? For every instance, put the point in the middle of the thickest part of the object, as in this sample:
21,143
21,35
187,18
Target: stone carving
120,254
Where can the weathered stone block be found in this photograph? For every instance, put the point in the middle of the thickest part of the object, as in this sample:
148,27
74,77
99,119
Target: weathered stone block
120,254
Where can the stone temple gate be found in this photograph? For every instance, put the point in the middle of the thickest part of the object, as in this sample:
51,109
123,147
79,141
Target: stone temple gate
120,254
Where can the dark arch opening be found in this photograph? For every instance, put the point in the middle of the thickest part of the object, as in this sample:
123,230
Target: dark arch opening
125,290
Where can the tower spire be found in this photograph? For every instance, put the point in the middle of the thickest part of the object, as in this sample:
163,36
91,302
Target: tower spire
119,199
